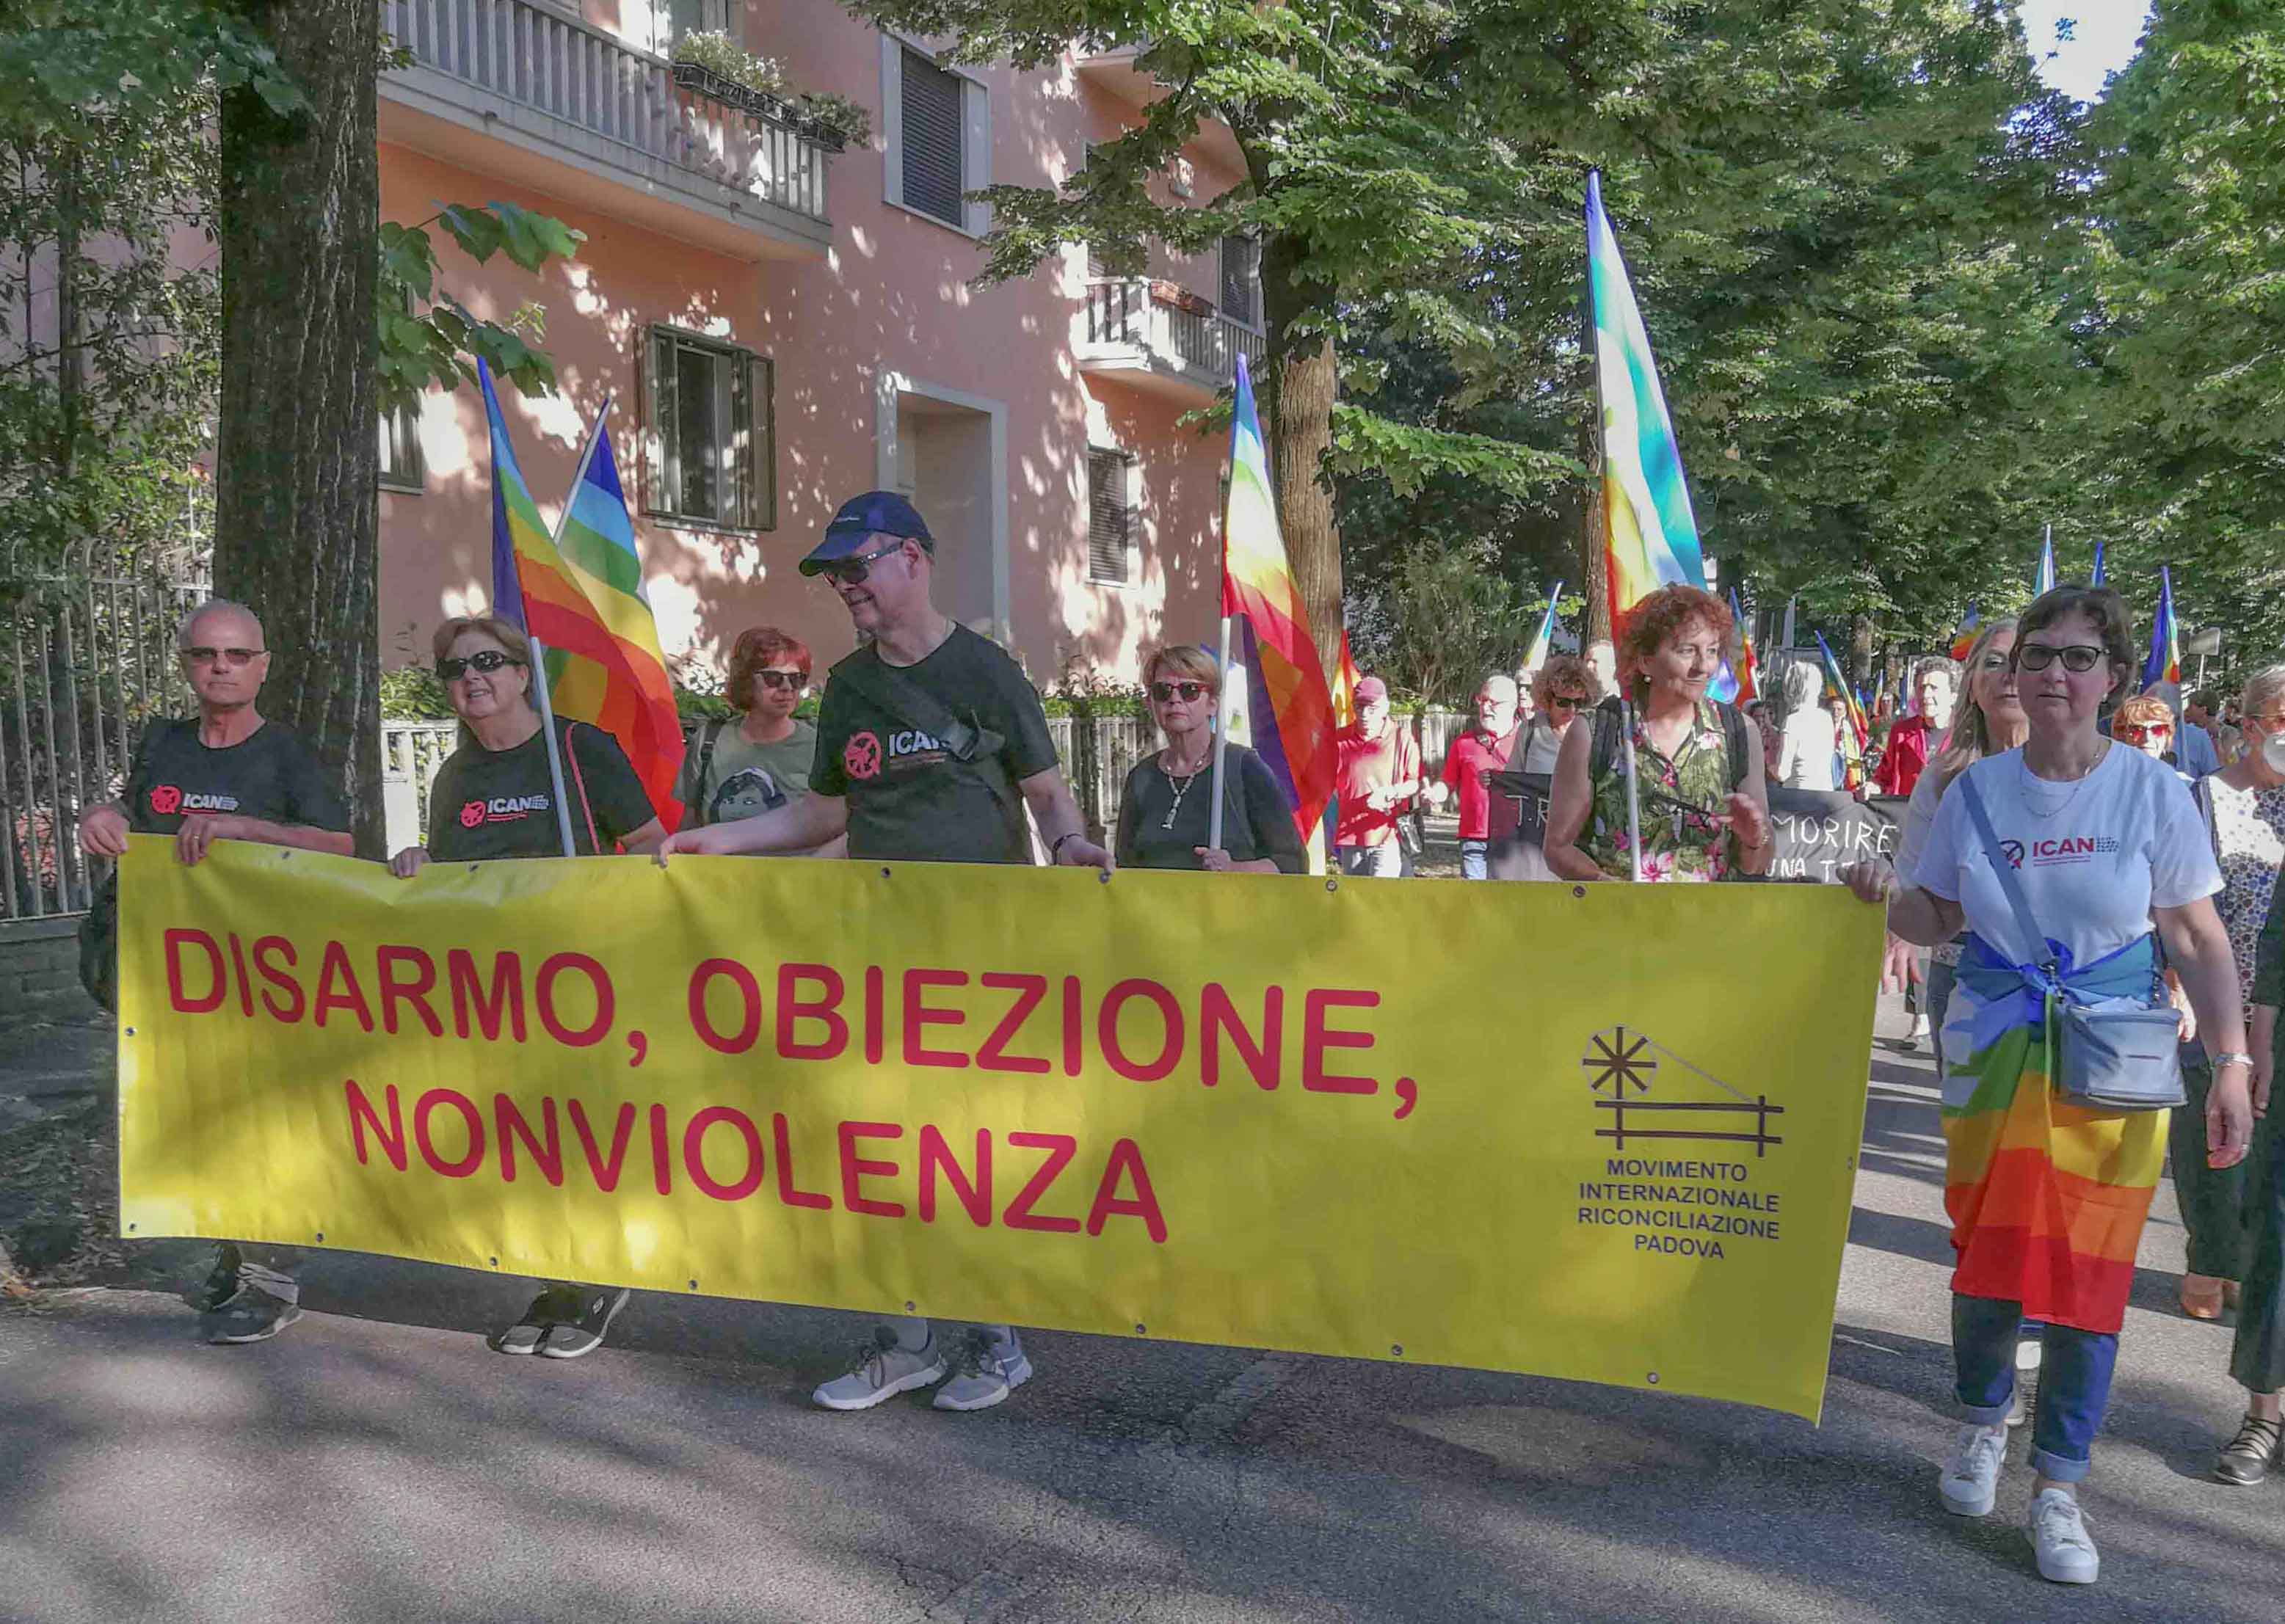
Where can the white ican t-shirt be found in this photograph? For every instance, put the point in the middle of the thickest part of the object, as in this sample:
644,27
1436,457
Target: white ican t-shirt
2094,856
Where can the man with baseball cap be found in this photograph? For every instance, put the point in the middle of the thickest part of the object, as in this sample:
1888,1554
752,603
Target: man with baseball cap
225,774
931,743
1379,779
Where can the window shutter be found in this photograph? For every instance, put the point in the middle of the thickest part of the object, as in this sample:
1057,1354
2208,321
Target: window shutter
665,485
1108,517
1237,277
934,119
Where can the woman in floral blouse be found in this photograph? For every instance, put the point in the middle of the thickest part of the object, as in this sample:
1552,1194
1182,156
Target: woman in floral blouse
2245,804
1703,806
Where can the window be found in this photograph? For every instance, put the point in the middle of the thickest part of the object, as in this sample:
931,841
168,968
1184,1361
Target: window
677,17
938,126
713,433
401,465
1110,517
1241,280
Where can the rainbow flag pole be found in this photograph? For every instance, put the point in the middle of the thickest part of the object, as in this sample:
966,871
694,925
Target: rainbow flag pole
513,509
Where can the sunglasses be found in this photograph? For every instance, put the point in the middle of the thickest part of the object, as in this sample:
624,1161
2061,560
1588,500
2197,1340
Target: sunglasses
1566,701
784,682
453,668
2132,735
203,655
1184,691
2076,657
852,571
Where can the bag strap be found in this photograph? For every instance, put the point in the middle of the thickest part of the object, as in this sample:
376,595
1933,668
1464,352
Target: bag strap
580,779
708,738
2202,792
2010,883
1733,739
914,706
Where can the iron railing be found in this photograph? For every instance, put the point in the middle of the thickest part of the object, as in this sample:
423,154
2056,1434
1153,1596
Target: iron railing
536,57
1124,313
87,658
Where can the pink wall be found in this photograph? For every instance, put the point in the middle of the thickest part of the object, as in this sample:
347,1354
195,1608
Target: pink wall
891,295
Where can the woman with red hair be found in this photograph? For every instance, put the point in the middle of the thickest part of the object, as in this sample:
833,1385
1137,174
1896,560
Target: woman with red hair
761,762
1704,809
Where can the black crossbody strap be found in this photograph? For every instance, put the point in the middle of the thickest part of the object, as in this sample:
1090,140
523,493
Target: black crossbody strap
914,706
709,737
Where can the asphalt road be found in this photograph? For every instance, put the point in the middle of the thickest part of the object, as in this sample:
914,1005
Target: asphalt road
375,1462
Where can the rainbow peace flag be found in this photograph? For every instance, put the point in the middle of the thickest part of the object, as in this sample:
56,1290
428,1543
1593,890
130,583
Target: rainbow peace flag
1345,685
1963,639
2045,582
586,603
2165,662
1290,703
1735,686
1839,684
1650,534
1544,639
2100,574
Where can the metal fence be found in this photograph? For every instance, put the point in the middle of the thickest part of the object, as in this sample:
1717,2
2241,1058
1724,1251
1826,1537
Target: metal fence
86,659
1096,753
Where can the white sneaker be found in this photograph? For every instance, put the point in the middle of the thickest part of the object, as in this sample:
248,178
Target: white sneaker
883,1370
1917,1032
1970,1484
989,1371
2028,1352
2058,1535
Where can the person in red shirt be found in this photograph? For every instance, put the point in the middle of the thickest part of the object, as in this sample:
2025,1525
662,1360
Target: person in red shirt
1380,781
1481,751
1914,738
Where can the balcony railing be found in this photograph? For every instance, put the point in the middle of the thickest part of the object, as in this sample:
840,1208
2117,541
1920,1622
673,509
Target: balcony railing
1135,322
603,89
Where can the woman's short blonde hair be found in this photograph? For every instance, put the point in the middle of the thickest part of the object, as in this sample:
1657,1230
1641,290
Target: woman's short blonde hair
1571,670
1185,662
2144,711
508,635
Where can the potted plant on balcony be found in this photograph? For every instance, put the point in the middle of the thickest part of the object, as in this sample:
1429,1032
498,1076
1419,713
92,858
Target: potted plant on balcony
715,65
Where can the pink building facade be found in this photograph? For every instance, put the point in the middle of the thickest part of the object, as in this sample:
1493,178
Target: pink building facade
780,327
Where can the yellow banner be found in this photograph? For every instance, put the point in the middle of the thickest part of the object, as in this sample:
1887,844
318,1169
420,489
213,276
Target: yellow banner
1606,1133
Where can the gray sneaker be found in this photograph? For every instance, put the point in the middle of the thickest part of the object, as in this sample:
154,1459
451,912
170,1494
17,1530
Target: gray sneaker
252,1315
1970,1484
883,1370
990,1370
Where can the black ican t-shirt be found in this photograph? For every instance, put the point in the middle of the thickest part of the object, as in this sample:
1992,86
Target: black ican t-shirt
1162,820
489,804
909,799
269,774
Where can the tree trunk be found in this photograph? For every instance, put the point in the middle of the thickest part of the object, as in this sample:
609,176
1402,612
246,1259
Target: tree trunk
1297,398
297,525
1594,556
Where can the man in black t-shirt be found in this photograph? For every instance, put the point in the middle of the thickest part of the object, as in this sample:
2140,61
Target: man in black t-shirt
929,746
227,774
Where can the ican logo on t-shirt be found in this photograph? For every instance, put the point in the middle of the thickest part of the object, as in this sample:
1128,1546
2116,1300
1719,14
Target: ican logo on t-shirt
2057,852
167,799
502,809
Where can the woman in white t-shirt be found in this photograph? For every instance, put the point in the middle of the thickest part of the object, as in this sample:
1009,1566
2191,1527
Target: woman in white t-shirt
2047,1197
1805,757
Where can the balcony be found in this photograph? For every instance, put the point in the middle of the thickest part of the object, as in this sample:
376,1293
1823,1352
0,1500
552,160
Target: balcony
582,115
1156,336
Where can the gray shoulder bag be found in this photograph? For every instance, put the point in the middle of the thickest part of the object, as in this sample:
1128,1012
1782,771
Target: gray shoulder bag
2114,1055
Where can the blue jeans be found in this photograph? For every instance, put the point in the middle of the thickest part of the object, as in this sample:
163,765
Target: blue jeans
2075,1370
1472,863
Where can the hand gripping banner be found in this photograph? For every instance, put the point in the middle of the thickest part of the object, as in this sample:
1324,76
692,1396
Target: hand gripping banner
1606,1132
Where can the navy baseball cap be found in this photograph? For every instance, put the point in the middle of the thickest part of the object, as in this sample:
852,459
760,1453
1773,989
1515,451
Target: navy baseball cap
876,512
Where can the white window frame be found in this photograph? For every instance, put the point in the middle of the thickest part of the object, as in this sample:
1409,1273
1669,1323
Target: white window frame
659,488
402,479
1130,574
975,137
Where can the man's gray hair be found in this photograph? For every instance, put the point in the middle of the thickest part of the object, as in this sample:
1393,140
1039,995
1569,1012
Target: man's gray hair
1935,665
211,606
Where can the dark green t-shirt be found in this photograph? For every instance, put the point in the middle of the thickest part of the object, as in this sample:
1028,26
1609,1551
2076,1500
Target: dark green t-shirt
909,798
270,776
488,805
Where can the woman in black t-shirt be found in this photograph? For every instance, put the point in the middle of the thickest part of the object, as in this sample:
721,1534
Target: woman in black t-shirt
1164,817
494,799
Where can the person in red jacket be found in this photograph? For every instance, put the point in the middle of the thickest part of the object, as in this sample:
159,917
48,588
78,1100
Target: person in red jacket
1379,779
1936,685
1482,749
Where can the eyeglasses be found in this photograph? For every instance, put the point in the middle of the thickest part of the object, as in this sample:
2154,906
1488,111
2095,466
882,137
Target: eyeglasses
852,571
784,682
1566,701
203,655
2076,657
1184,691
451,668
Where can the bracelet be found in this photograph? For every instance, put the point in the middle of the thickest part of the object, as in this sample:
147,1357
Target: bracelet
2232,1058
1056,851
